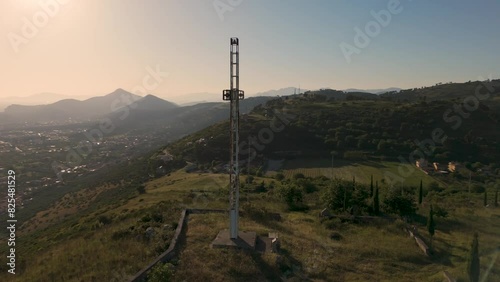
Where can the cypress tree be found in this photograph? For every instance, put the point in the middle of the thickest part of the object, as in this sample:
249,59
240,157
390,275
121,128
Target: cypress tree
431,225
345,197
473,260
496,198
485,197
376,204
371,185
420,193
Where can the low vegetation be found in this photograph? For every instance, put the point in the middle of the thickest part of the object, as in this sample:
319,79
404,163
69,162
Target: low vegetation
312,247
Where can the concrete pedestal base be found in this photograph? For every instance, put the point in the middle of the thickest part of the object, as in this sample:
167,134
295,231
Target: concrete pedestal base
245,240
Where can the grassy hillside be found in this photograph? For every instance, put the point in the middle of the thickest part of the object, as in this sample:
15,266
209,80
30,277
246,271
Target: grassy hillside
109,244
445,90
85,245
362,171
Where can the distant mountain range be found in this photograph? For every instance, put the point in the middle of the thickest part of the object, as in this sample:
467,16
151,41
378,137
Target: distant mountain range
179,120
76,110
281,92
196,98
374,91
331,94
129,112
206,97
15,104
35,99
152,108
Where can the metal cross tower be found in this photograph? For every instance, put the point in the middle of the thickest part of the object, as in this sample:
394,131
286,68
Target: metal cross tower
234,94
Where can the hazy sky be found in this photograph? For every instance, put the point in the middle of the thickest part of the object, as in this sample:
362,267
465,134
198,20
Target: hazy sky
95,46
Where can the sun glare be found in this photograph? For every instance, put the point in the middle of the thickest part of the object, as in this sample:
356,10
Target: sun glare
25,4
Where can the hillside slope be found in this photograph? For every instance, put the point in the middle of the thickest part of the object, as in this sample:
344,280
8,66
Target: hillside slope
313,124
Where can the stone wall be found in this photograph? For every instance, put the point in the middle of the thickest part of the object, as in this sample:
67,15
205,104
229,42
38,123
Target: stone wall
202,211
421,244
175,244
171,252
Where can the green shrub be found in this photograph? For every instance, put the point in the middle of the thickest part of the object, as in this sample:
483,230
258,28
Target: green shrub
335,236
476,188
333,224
399,203
440,212
255,213
292,196
280,176
121,234
141,189
157,217
174,225
146,218
249,179
343,195
434,186
104,219
161,273
306,185
261,188
298,176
